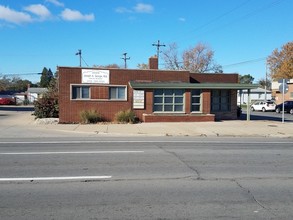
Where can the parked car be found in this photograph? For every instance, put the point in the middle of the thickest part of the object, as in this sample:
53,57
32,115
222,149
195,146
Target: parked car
288,107
263,106
7,101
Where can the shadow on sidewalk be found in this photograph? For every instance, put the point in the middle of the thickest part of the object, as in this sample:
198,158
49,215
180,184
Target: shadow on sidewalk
14,108
277,117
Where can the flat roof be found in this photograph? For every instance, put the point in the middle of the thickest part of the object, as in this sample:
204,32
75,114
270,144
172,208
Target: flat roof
184,85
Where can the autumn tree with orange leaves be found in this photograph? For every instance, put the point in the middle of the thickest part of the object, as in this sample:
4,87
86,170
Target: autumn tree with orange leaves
280,62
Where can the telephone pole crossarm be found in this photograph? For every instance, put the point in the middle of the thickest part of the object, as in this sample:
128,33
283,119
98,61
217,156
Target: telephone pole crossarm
158,45
125,59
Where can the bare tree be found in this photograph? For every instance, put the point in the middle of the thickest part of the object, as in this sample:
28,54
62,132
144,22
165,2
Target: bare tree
265,83
170,57
199,59
142,66
114,65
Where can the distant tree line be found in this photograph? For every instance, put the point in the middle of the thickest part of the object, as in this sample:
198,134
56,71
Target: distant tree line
14,84
17,84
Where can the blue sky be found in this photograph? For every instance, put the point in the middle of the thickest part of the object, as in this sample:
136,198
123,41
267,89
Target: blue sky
47,33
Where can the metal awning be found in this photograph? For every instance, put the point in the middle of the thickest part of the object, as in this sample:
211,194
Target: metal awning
184,85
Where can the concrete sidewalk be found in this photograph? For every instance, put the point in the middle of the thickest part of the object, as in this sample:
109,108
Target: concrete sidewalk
233,128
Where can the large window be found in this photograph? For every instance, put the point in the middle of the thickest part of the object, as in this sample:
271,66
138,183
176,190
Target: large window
117,93
168,100
221,100
80,92
196,100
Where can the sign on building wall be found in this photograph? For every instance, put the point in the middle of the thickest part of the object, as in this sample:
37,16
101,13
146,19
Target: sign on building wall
95,76
138,99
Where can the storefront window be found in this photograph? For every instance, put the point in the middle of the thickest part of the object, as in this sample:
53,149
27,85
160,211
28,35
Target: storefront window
220,100
168,100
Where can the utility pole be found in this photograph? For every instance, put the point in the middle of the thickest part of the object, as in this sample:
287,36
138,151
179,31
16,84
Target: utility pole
125,58
266,81
158,45
79,53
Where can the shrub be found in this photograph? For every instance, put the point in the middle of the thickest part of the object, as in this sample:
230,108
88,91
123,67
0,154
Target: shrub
46,107
127,116
90,116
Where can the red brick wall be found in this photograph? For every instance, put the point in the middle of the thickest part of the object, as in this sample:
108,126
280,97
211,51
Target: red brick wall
178,118
206,101
287,96
70,109
213,78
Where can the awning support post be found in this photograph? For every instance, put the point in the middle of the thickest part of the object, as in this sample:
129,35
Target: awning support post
248,105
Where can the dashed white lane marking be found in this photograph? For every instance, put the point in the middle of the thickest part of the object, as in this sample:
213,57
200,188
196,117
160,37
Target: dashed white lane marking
55,178
70,152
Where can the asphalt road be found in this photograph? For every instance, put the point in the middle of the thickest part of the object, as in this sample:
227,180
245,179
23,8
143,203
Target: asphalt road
269,116
149,178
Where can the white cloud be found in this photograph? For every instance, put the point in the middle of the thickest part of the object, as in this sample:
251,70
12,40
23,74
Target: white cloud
182,19
139,8
56,3
73,15
122,10
12,16
143,8
39,10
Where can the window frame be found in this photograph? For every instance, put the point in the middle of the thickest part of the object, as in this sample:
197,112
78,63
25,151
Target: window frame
169,94
117,93
196,104
79,92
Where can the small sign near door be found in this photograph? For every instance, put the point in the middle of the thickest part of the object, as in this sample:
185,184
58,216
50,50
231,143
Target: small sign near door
138,99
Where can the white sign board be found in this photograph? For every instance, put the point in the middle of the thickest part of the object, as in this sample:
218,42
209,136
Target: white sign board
95,76
138,99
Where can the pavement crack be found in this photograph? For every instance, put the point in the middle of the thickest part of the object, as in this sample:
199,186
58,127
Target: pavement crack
194,170
253,197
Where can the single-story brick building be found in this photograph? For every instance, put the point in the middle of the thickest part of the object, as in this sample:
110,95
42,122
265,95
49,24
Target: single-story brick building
153,95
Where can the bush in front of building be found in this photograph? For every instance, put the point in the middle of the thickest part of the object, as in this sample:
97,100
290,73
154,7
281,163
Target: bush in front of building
46,107
126,116
90,116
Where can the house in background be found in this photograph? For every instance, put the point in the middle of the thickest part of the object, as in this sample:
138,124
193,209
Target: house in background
278,95
153,95
34,93
258,94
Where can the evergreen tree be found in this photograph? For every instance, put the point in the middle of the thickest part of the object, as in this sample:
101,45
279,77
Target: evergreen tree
46,77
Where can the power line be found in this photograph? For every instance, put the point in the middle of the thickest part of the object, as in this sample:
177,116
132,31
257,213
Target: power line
220,16
245,62
19,74
251,13
236,64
